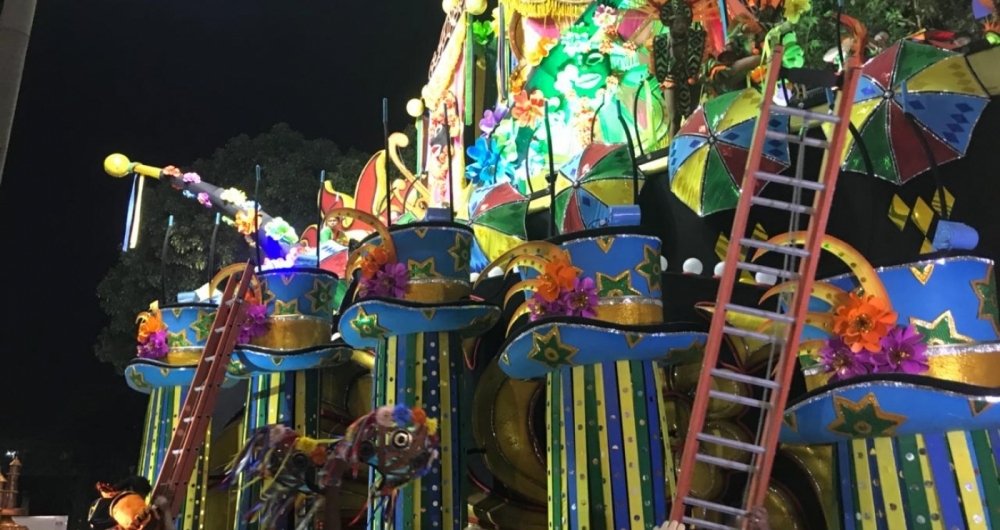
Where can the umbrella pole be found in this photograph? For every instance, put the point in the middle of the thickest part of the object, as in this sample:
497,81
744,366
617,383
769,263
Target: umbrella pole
631,155
935,172
551,178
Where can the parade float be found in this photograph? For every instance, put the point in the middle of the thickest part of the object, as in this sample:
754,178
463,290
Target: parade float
511,334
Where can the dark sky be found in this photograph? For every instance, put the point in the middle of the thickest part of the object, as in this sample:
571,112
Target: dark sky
164,82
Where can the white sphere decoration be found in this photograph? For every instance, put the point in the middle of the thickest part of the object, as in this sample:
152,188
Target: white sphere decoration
720,267
415,108
473,277
765,279
692,266
448,5
475,7
494,273
663,263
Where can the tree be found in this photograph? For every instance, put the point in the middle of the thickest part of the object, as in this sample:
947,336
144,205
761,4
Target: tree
290,180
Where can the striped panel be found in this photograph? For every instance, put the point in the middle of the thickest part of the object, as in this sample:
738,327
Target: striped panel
424,369
606,448
270,400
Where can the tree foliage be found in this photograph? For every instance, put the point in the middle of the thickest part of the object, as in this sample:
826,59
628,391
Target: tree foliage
290,169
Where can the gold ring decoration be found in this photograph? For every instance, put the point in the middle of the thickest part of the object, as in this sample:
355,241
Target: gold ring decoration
232,270
353,261
410,192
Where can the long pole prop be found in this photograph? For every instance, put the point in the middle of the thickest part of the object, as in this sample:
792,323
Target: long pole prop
163,257
319,225
16,19
256,215
385,161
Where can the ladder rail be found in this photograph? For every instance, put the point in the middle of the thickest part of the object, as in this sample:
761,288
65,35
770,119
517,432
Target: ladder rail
196,412
816,230
715,338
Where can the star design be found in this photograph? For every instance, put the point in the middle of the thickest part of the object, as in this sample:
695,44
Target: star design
864,418
267,296
367,325
286,308
986,291
321,296
694,351
549,350
202,325
461,251
650,268
422,269
620,285
236,368
138,380
178,340
940,331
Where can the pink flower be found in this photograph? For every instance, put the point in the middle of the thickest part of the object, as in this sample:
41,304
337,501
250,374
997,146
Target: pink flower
191,178
605,16
903,351
582,299
838,358
205,200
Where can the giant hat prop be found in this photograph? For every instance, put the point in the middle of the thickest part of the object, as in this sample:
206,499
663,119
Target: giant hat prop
171,339
290,321
410,279
595,296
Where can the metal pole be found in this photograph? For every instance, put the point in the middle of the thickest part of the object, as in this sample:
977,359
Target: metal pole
15,31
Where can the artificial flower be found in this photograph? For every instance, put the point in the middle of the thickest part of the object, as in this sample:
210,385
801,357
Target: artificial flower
516,80
245,223
402,415
539,307
279,230
903,350
535,56
837,358
383,416
390,281
373,261
233,196
605,16
794,9
492,118
191,178
155,345
528,109
561,272
150,322
488,166
482,32
205,199
187,194
255,324
606,46
432,426
863,322
418,415
581,300
576,41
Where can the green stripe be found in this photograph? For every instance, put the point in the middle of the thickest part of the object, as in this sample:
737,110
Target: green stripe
556,473
639,397
408,385
594,478
988,474
456,359
913,481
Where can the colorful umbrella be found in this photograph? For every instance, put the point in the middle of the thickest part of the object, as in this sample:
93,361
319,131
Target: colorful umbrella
595,179
936,87
709,154
497,219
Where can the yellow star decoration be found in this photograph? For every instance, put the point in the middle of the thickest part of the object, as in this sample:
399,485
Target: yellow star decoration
863,418
367,325
422,269
286,308
941,330
922,273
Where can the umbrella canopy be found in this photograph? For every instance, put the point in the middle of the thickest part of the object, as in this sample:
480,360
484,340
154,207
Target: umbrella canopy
497,219
595,179
910,94
708,157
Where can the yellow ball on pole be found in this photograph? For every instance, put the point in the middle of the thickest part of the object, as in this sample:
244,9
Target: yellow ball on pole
415,108
117,165
475,7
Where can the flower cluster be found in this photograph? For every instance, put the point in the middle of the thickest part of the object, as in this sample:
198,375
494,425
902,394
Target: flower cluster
561,291
255,324
868,341
152,335
382,277
401,415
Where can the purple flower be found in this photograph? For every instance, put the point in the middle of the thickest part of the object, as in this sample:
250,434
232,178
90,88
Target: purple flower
838,358
492,118
540,307
582,299
205,200
388,282
255,324
155,347
191,178
903,351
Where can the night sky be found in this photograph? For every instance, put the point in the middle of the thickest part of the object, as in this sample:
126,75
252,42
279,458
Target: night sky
164,82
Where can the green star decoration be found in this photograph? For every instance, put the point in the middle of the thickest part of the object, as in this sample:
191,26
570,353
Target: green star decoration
422,269
863,419
650,268
290,308
236,368
620,285
178,340
986,291
461,251
321,296
202,325
138,380
940,331
367,326
549,350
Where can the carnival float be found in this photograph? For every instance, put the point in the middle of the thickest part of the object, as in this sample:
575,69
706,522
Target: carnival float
568,316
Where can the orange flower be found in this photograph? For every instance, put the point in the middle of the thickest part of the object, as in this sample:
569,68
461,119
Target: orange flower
245,222
559,274
528,109
149,322
863,322
373,261
535,57
418,415
380,255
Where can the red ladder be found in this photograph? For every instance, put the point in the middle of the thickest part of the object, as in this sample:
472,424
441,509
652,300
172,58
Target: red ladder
195,415
775,384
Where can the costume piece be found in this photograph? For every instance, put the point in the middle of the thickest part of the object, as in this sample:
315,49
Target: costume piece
398,442
678,57
123,506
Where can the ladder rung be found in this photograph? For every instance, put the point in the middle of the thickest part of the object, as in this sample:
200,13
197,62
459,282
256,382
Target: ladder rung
733,398
198,388
220,330
748,379
209,359
782,205
188,419
805,114
707,525
754,312
792,139
715,507
771,247
756,335
732,444
722,462
789,181
751,267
